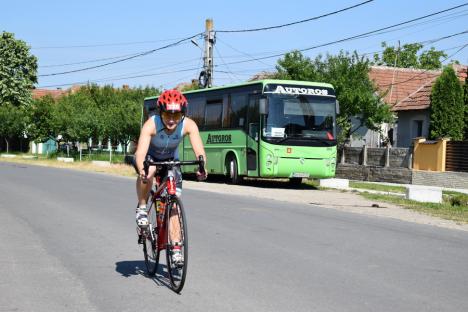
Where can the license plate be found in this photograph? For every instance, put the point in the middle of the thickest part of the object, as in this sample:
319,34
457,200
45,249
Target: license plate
300,175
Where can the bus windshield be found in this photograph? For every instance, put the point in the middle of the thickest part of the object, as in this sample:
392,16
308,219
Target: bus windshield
299,117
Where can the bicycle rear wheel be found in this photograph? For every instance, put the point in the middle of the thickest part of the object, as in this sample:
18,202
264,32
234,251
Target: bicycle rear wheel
178,227
150,245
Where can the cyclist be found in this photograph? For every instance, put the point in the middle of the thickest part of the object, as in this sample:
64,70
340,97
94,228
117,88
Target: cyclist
159,140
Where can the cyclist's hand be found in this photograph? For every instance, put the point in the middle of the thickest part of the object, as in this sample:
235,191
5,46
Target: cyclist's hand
143,176
201,176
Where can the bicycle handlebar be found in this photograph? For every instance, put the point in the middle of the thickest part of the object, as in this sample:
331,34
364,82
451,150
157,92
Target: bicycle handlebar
170,163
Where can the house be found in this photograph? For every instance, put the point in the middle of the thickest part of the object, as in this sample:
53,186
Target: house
408,93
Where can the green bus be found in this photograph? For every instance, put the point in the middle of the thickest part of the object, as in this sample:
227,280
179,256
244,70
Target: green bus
266,128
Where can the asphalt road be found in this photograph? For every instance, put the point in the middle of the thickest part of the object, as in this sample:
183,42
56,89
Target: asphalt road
68,243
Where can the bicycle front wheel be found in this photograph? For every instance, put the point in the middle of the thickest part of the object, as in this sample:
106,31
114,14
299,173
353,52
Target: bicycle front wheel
177,244
150,245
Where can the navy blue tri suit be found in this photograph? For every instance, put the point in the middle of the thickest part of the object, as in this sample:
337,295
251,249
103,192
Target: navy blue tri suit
164,146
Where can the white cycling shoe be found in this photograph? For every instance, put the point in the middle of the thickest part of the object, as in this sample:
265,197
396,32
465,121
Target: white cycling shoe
177,257
142,218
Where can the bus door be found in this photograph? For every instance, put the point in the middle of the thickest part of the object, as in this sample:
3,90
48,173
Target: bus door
253,136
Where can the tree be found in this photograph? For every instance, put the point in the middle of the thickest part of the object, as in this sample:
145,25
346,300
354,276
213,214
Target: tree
348,73
123,121
102,113
465,94
11,122
407,57
193,85
447,107
17,71
76,118
40,119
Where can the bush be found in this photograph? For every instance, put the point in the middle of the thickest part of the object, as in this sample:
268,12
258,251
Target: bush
459,200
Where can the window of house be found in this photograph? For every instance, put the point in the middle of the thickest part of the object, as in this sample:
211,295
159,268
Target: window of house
417,128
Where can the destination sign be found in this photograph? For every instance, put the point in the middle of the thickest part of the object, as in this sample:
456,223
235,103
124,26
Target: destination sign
299,91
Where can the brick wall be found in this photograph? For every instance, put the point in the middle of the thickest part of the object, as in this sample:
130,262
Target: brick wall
442,179
374,173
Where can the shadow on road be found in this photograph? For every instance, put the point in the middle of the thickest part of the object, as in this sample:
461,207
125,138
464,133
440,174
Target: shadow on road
259,183
138,267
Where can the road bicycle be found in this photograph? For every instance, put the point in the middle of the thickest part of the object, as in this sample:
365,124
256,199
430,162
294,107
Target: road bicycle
167,229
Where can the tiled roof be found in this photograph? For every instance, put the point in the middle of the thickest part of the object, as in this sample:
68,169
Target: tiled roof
406,88
38,93
419,99
398,83
56,93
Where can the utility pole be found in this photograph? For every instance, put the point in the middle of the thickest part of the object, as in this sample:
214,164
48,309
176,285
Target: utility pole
205,80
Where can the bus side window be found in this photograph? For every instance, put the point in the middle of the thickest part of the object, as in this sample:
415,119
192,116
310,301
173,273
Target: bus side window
213,114
196,110
238,110
253,116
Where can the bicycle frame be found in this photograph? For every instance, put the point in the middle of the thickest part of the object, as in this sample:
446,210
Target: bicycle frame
163,193
168,186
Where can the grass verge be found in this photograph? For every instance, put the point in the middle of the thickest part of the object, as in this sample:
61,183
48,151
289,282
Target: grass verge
115,169
377,187
445,210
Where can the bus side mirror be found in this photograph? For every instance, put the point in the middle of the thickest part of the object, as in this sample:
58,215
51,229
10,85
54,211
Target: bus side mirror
263,106
337,105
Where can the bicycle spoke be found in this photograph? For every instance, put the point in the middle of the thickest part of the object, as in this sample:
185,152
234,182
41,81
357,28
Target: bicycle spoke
150,250
177,248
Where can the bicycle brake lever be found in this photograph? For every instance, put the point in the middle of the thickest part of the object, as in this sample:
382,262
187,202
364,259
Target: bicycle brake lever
201,165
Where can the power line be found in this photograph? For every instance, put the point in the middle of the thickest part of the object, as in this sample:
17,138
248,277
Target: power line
363,35
103,44
425,71
248,55
116,79
297,22
125,76
89,61
124,59
227,66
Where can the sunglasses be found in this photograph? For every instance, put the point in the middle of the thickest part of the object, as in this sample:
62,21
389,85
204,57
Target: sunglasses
171,116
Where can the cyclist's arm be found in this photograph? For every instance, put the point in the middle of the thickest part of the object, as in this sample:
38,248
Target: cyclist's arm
148,130
191,129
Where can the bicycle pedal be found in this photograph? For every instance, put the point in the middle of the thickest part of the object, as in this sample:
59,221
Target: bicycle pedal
141,240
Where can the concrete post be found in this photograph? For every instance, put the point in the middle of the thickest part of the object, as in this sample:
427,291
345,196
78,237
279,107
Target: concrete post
387,156
364,156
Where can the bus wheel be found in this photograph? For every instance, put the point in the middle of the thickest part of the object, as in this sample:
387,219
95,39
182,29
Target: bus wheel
232,170
295,181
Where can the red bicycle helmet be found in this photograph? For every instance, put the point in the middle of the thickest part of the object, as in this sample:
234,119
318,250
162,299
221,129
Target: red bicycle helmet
172,101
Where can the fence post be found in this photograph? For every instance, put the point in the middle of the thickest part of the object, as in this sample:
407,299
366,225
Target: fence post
387,156
364,156
343,155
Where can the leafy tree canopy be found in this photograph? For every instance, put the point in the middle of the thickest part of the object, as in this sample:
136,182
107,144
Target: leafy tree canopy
12,122
40,119
408,57
17,71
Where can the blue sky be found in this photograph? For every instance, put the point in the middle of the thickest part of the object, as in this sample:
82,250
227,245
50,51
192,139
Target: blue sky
63,32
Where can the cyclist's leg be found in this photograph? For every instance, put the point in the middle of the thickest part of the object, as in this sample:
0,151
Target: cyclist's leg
174,228
143,189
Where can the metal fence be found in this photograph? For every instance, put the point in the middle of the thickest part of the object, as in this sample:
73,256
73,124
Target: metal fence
456,156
